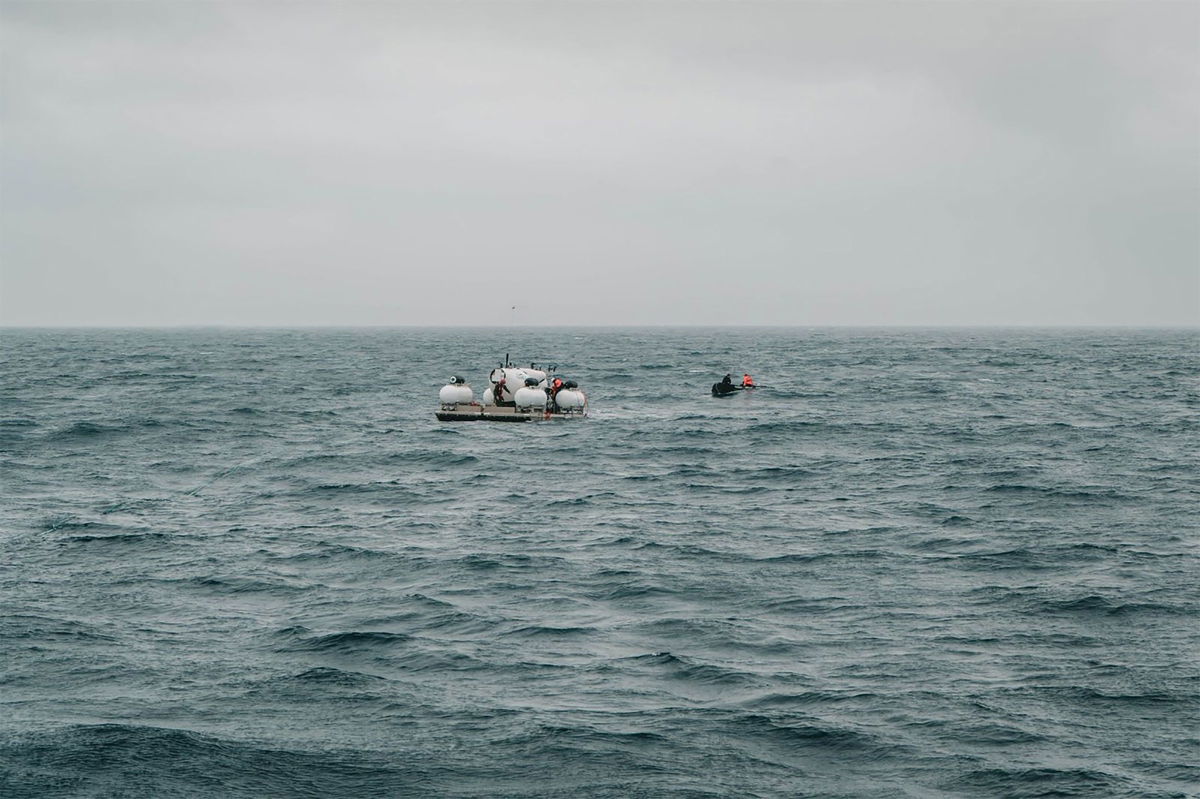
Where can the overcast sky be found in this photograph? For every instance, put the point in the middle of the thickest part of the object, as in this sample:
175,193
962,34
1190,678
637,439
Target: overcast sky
793,163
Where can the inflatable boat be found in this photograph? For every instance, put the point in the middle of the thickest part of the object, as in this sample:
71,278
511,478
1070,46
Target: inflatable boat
727,388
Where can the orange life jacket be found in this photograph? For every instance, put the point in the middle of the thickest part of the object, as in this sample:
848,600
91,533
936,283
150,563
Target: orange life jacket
747,380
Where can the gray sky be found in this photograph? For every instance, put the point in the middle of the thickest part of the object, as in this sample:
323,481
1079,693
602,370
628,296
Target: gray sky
290,163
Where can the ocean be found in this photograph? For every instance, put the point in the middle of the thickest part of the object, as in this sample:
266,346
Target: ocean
915,563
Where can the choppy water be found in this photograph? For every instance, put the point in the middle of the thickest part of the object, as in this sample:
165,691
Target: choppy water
918,563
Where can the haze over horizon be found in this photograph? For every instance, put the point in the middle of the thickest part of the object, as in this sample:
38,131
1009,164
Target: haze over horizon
517,328
795,164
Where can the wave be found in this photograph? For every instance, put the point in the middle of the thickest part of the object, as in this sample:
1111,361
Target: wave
630,590
810,606
382,486
487,561
1175,701
327,676
438,458
245,585
1094,604
1043,782
786,426
533,631
1059,641
781,700
686,550
136,539
1019,558
815,557
86,430
83,430
1081,494
808,734
1044,558
343,642
109,759
583,735
329,551
410,653
1034,599
43,628
442,620
688,670
772,473
991,734
70,523
589,499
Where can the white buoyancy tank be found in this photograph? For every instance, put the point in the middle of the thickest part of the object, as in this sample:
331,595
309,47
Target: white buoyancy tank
570,399
529,397
454,393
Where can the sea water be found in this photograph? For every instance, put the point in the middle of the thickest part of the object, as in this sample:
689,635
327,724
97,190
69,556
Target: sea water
251,563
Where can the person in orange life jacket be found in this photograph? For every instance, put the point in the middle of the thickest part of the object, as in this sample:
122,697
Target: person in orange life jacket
498,392
555,387
747,381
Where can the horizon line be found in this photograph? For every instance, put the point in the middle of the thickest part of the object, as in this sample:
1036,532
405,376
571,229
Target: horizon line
696,326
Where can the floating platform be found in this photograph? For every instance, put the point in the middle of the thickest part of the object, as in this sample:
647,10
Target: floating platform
473,412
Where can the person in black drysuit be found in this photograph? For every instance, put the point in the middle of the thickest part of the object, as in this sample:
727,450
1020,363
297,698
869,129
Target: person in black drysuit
726,386
498,395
